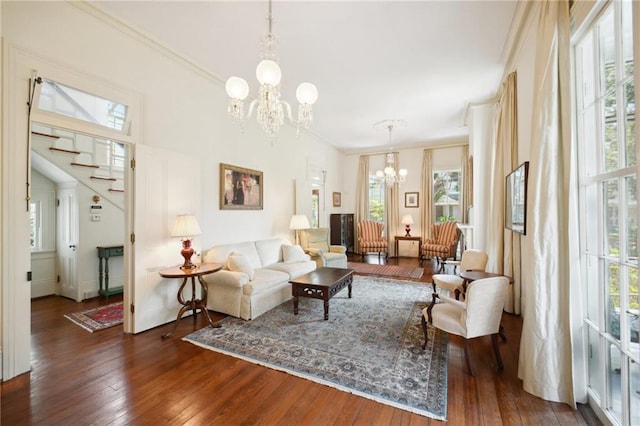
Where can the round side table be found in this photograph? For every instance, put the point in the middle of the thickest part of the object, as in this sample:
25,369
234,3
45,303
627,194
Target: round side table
192,304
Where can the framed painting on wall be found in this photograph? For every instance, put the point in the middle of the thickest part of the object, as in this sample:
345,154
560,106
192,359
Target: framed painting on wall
240,188
411,199
337,199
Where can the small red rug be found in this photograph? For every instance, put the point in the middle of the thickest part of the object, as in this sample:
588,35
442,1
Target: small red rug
386,270
98,318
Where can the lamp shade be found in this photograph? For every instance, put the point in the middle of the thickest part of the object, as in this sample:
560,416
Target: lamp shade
237,88
307,93
186,226
407,219
268,72
299,221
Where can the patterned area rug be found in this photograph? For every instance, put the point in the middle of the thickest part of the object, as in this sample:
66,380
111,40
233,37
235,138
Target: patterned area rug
98,318
370,346
386,270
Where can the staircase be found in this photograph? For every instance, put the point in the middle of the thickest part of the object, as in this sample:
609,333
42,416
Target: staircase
97,163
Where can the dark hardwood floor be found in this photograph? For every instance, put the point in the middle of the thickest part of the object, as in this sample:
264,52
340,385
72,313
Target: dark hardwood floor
109,377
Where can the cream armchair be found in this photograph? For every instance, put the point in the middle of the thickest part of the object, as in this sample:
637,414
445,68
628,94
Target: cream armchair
315,242
479,315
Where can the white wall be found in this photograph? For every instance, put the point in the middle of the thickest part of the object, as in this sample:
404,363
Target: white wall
184,109
43,262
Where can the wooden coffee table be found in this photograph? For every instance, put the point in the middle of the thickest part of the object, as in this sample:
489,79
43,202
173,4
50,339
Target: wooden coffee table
323,283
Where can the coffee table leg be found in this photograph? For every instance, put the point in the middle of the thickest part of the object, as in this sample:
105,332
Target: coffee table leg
349,290
295,305
326,310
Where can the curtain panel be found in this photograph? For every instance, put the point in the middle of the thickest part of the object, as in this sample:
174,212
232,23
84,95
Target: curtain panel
546,365
362,197
427,191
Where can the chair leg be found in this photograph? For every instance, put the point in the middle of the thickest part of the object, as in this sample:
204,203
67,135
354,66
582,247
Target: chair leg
424,330
466,356
501,333
430,307
496,349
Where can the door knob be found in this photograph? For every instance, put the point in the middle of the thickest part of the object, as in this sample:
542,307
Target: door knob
72,246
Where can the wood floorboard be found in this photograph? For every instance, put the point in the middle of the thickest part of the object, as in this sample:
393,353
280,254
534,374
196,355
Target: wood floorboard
112,378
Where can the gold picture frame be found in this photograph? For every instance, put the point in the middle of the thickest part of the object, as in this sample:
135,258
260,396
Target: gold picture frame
240,188
337,199
411,199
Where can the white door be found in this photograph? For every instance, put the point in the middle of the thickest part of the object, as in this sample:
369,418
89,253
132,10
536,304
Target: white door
164,184
67,241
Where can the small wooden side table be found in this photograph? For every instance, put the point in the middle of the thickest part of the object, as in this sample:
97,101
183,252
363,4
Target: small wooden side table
193,304
405,238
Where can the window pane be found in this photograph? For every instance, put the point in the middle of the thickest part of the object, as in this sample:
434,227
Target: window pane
607,53
595,382
611,219
627,37
376,199
632,220
612,278
446,190
592,220
610,133
65,100
593,290
615,387
634,384
633,311
630,124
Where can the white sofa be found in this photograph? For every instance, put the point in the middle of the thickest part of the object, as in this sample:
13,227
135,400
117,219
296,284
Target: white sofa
255,277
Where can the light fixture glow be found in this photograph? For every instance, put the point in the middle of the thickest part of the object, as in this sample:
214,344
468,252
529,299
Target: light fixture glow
389,175
270,108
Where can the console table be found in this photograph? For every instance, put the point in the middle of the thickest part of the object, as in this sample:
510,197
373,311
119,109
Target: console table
104,253
405,238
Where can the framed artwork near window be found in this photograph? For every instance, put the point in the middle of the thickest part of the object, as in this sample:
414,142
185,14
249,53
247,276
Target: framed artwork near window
240,188
411,199
337,199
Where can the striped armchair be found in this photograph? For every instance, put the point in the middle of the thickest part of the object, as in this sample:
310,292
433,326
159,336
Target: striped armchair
370,238
444,242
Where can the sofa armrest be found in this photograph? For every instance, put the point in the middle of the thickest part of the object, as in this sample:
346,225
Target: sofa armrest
337,249
227,278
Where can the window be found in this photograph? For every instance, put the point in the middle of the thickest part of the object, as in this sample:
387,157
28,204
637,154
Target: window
606,140
376,199
64,100
315,208
35,224
446,195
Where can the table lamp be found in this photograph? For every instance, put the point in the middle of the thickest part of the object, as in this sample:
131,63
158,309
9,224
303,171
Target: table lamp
186,226
407,221
299,221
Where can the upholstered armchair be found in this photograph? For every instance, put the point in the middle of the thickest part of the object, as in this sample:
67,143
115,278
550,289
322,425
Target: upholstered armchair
370,238
471,260
479,315
444,242
315,242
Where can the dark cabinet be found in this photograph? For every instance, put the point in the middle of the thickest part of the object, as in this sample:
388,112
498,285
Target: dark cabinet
341,225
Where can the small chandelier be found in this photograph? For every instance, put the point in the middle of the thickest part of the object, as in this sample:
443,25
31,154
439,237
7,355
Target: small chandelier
270,109
389,175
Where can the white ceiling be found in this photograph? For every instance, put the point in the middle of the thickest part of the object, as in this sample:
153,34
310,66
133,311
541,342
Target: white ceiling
419,61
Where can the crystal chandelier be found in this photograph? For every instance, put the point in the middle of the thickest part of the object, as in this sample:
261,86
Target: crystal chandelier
270,109
389,175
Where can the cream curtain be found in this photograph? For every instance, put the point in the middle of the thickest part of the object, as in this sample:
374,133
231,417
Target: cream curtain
504,160
427,194
545,364
467,183
362,197
392,210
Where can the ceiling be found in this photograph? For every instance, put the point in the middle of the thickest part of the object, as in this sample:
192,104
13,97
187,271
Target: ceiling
422,62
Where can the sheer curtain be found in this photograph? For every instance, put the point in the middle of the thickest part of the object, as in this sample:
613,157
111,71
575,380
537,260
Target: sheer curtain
467,183
362,196
545,364
427,191
392,210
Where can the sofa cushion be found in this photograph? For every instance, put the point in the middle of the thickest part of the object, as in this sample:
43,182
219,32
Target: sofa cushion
264,280
294,269
220,254
294,254
240,263
270,251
